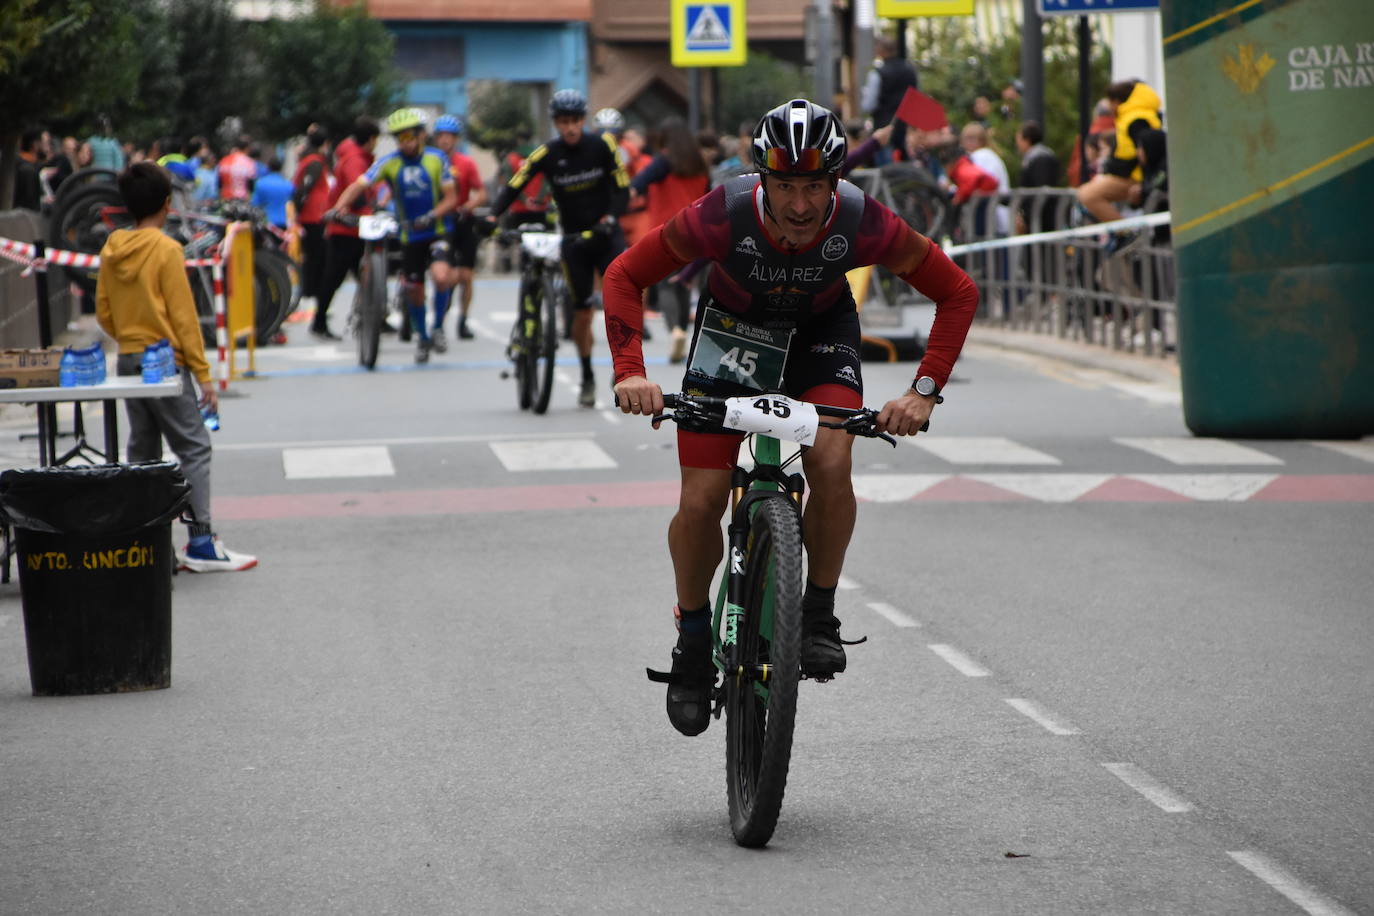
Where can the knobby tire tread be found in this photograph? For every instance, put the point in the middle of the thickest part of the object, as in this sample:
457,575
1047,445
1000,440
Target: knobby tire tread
541,368
755,793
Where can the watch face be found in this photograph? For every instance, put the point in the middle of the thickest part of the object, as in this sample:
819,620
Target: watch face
925,386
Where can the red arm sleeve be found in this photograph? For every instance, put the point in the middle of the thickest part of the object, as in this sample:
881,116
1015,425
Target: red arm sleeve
622,292
956,300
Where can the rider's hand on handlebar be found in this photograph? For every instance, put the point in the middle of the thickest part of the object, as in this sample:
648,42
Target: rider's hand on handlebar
638,395
905,415
422,222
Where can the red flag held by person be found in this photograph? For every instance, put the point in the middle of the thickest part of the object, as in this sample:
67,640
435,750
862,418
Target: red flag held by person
921,111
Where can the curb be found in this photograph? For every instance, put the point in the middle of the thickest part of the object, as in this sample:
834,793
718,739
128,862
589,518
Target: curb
1160,370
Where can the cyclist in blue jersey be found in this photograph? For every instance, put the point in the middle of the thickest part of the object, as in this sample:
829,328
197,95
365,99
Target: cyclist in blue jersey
423,192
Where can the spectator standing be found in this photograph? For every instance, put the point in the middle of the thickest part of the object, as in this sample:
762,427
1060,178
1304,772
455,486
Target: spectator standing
143,296
207,179
884,88
64,163
175,160
1039,169
974,141
28,185
311,197
675,179
238,171
462,231
273,192
106,151
344,250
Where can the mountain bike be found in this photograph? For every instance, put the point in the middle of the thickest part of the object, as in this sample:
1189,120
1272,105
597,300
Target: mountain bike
757,621
534,335
368,314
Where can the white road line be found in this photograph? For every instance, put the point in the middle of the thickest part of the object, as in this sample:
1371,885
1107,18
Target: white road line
553,455
1040,717
1363,449
1184,450
961,662
481,330
848,585
981,450
399,440
319,463
891,613
894,488
1159,794
1306,897
1209,487
611,416
1047,488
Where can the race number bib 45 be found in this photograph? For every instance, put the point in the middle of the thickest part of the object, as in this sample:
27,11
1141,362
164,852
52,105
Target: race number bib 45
736,351
773,415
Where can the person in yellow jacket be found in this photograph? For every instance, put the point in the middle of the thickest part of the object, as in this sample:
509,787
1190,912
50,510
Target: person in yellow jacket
142,296
1136,110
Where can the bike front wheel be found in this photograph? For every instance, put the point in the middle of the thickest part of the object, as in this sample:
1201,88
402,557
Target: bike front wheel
545,344
369,304
761,693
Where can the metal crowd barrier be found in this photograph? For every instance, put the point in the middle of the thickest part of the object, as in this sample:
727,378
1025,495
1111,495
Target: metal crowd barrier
1112,289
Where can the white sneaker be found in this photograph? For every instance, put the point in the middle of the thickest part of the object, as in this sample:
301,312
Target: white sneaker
677,350
224,560
440,340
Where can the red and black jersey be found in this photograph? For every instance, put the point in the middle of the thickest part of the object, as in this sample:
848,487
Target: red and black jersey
759,280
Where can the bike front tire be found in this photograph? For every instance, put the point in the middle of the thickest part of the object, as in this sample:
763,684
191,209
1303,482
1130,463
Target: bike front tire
545,344
761,712
370,305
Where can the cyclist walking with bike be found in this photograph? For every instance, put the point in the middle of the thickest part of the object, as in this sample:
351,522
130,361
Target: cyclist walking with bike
591,190
423,190
778,314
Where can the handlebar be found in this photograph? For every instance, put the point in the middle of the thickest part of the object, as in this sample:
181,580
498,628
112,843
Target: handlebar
857,421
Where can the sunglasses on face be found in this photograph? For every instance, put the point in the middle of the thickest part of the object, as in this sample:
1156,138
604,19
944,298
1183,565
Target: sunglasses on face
406,136
808,160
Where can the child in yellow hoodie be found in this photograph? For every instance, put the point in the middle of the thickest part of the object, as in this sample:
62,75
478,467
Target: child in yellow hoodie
143,296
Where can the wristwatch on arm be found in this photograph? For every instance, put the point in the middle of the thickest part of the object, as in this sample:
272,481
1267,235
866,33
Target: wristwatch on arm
925,386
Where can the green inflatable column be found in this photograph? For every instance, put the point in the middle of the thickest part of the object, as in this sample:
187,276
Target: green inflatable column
1271,186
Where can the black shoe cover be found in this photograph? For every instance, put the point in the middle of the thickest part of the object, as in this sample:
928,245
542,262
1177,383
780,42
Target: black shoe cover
689,688
822,652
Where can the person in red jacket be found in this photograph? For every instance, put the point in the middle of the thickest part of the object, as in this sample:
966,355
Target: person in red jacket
782,242
312,184
352,159
448,129
675,178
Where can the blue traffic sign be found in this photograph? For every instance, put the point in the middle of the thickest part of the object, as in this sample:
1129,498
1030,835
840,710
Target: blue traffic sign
1083,7
708,26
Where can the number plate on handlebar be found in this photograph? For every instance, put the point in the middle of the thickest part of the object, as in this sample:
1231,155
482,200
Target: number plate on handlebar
375,226
773,415
546,246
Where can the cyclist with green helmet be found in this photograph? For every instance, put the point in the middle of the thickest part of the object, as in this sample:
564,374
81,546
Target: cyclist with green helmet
423,192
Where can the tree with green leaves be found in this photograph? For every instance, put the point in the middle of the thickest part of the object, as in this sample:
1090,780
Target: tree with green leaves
761,84
499,115
956,67
80,62
327,67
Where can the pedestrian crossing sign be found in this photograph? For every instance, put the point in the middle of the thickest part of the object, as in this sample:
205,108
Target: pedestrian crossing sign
708,33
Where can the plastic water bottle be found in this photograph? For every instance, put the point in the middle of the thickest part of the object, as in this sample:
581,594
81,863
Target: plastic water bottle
98,362
67,369
169,360
85,365
152,370
211,418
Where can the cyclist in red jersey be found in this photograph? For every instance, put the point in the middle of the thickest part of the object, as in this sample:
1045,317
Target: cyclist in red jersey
782,242
463,251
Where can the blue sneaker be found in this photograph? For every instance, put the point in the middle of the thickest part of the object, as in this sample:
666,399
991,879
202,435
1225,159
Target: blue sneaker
212,556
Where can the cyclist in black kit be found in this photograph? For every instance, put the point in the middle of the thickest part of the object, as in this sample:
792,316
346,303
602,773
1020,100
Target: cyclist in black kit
591,191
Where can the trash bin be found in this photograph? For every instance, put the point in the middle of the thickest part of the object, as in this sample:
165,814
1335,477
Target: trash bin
95,573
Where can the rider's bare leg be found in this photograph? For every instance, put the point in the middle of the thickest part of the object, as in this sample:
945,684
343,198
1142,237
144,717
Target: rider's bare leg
694,535
582,331
828,521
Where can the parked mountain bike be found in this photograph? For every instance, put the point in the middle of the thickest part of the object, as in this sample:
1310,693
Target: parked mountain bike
757,624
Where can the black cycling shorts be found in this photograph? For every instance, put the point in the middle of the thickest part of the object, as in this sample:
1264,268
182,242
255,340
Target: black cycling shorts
583,256
417,256
463,244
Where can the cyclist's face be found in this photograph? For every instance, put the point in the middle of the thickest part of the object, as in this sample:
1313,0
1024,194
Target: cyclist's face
446,141
798,206
409,142
569,127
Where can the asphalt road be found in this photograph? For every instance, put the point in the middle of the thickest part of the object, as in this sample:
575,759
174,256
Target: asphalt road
1103,675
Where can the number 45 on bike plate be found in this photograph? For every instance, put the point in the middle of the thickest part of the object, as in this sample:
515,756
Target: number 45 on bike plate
773,415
